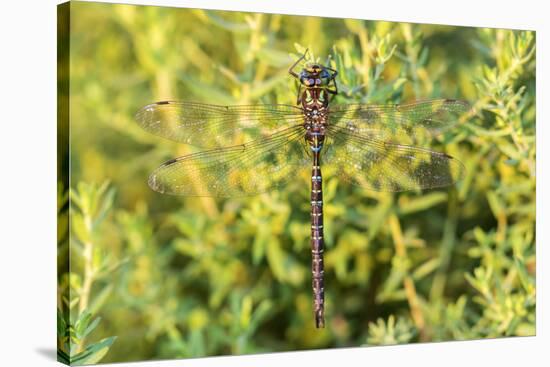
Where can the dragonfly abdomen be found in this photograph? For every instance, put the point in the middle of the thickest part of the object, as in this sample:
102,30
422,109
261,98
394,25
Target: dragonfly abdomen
317,241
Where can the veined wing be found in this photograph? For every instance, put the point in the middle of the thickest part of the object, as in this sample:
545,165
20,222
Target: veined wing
211,126
408,123
255,167
384,166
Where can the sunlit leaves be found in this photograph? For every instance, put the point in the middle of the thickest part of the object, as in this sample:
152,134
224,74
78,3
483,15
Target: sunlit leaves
71,336
391,331
505,284
93,352
384,49
409,205
89,206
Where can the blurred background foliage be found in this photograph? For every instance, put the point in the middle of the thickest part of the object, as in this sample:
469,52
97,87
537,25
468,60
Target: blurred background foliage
172,277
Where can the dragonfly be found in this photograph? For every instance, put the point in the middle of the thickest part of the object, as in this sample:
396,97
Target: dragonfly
252,149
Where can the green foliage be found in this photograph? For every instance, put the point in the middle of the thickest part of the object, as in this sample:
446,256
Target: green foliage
72,336
185,277
89,206
390,333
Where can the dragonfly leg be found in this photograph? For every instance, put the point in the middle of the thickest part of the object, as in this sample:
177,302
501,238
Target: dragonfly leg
332,75
299,99
333,80
333,91
291,69
334,71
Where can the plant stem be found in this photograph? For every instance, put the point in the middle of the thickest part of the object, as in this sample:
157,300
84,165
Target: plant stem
447,247
88,275
408,282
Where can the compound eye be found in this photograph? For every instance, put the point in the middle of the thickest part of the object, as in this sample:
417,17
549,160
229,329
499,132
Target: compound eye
318,81
310,82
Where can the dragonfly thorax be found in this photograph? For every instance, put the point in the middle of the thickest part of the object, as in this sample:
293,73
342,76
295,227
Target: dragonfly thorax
314,98
317,82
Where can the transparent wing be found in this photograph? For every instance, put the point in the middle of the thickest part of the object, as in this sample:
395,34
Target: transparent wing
406,123
366,161
255,167
211,126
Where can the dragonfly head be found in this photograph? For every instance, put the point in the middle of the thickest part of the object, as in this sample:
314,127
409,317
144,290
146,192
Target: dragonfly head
315,76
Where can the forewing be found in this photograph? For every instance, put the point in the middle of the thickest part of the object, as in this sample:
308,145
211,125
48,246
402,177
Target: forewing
407,123
210,126
255,167
384,166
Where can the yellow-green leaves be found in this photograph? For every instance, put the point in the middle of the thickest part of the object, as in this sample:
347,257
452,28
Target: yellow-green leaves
88,207
384,49
391,331
409,205
71,336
